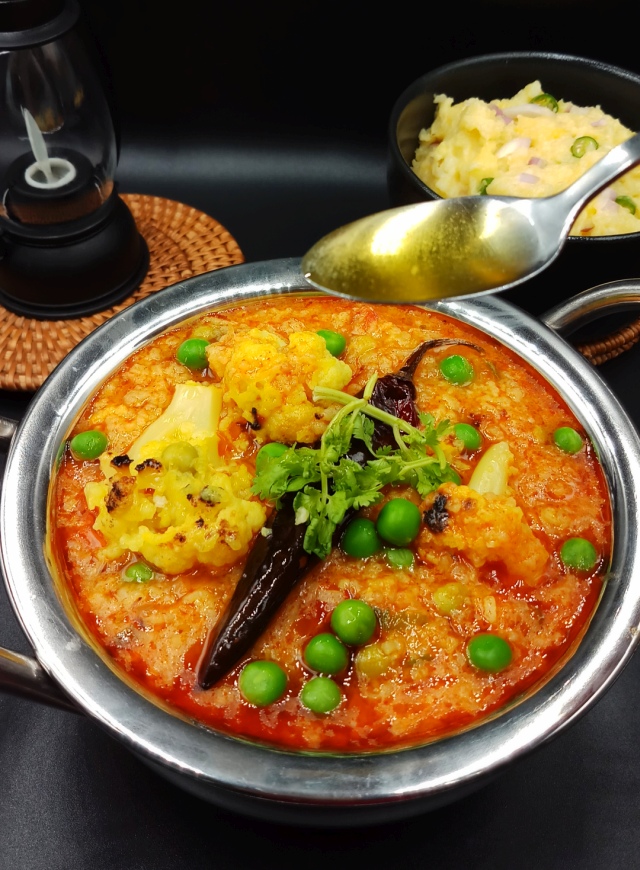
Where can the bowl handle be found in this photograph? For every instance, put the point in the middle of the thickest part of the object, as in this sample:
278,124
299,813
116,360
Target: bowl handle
24,676
19,674
592,304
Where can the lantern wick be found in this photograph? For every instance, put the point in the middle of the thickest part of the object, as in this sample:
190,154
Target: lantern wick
57,171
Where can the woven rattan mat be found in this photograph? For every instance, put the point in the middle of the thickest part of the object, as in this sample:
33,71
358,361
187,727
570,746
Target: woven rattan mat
182,242
612,345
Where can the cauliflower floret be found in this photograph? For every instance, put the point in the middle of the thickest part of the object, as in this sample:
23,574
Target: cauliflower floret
271,381
482,528
178,519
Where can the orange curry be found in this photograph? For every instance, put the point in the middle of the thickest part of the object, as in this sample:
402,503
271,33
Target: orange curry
479,577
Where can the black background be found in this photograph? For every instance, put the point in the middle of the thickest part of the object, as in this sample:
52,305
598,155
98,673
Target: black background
272,118
250,96
321,66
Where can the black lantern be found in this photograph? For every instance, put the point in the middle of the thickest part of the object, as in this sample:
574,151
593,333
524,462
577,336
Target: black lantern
69,245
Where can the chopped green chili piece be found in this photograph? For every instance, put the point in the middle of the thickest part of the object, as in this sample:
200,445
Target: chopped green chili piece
626,202
546,100
582,145
484,184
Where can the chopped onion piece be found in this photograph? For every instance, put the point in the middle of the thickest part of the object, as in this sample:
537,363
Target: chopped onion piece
527,178
529,110
520,142
538,161
601,122
580,110
606,200
607,193
501,114
93,539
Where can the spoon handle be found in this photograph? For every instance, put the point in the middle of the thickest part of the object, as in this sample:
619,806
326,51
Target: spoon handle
611,166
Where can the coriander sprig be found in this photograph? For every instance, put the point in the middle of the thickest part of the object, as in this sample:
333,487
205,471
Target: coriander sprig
328,482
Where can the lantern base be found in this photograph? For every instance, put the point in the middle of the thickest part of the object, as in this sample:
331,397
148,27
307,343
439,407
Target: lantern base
72,269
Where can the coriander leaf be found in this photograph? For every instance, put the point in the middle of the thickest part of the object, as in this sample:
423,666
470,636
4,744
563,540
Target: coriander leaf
337,505
328,483
291,471
318,538
337,438
310,501
363,430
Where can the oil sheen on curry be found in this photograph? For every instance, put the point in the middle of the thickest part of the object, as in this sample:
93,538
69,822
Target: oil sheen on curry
327,525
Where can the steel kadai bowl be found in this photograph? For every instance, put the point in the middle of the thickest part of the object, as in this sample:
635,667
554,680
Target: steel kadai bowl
316,789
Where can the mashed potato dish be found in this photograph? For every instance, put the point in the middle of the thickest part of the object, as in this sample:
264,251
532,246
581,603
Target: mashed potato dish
527,146
428,512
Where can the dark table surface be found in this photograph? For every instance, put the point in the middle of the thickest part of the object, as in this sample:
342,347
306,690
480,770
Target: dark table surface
72,797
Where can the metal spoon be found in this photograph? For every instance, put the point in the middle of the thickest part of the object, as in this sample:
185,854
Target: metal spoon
456,247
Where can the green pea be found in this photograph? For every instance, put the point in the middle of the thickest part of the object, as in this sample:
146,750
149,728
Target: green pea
399,522
626,202
584,144
191,353
320,695
578,553
399,557
180,455
138,572
326,654
262,682
335,342
469,436
89,444
489,652
360,539
354,621
547,101
272,450
484,184
456,369
567,439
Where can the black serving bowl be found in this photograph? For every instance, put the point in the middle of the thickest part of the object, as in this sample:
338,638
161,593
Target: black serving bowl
584,261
